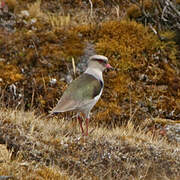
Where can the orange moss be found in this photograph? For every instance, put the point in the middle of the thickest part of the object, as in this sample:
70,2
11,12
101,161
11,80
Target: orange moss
134,11
72,46
49,173
135,52
9,74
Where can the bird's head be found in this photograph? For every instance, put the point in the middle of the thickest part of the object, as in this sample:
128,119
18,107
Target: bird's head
100,62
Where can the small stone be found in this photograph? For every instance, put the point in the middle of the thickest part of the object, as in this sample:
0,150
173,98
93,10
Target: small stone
68,78
25,22
65,145
2,60
53,81
13,89
143,77
25,13
33,20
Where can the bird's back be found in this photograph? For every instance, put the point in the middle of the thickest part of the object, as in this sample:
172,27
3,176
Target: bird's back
80,92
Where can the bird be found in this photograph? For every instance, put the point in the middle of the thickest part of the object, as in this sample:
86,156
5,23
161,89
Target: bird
83,93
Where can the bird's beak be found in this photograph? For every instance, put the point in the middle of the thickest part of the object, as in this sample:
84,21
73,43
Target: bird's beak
108,66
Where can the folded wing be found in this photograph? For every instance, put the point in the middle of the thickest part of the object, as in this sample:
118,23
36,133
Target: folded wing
79,93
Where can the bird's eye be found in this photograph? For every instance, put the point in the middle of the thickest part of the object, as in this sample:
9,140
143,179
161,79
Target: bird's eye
101,61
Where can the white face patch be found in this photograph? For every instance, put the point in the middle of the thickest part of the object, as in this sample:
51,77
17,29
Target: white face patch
97,73
100,57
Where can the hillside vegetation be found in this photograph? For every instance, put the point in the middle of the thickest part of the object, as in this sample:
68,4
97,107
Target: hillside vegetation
134,126
40,39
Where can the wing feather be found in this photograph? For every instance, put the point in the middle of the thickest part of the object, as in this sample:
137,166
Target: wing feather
79,93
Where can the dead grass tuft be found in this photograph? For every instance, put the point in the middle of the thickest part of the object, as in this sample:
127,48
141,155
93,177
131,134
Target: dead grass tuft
35,9
58,21
53,148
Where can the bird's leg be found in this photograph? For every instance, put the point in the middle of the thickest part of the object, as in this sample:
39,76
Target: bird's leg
87,123
80,123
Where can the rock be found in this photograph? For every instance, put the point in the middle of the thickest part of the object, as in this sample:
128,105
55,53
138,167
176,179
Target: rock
33,20
25,13
2,60
6,177
53,81
173,132
88,51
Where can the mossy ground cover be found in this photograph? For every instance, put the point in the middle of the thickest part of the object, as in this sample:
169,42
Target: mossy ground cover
145,79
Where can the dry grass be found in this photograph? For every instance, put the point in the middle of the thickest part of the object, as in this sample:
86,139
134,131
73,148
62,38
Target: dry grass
58,21
69,16
35,10
53,148
55,20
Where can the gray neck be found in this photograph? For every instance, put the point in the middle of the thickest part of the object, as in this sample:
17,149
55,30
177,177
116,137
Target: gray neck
96,72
